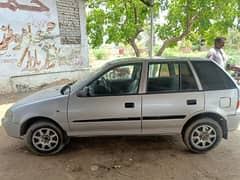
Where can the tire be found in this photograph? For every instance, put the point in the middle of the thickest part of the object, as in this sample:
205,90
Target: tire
202,135
45,138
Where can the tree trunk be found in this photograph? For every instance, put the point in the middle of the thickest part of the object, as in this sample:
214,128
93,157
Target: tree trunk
135,48
161,50
171,40
133,43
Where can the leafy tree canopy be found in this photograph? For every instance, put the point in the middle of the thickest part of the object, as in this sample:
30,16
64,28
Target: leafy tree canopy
208,18
121,21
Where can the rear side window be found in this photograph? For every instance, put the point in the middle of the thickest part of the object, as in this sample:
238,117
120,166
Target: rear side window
159,70
170,77
212,77
187,80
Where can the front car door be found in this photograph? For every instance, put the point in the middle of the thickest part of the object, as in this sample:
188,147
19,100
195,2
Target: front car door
172,94
113,105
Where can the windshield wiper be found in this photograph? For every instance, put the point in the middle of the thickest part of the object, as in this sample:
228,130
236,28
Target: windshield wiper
67,86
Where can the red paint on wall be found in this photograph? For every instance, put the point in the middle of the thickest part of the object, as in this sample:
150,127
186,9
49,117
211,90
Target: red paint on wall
13,5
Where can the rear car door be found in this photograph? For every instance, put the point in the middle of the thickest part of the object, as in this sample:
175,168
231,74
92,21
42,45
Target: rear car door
221,93
172,94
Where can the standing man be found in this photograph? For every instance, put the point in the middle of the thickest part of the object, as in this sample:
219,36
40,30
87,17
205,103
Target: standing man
216,53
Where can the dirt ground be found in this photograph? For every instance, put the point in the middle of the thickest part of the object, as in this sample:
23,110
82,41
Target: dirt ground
118,158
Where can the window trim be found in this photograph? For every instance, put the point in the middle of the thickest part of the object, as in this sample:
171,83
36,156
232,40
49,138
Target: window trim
110,68
199,84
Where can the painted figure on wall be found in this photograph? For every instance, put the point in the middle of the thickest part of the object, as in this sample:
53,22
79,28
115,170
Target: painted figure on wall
43,42
27,5
32,42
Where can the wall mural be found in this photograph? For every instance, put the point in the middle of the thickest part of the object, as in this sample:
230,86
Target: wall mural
30,40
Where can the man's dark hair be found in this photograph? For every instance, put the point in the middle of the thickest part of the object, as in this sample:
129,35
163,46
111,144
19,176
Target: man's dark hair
220,39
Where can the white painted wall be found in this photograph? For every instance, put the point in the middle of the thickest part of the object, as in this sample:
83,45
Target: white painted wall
67,62
28,83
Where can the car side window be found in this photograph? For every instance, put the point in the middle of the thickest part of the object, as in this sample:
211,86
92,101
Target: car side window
120,80
188,82
120,73
159,70
211,76
177,76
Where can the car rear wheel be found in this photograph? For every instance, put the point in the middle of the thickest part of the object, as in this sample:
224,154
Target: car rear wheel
45,138
202,135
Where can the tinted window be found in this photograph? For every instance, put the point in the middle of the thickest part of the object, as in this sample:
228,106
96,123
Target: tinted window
174,76
212,77
187,79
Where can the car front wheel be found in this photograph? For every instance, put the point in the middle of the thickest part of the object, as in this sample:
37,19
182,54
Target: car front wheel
202,135
44,138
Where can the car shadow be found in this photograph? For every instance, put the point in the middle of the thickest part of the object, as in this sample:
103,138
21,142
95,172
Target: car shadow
126,143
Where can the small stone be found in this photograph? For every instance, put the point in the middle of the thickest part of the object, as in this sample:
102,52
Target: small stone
68,167
116,166
94,168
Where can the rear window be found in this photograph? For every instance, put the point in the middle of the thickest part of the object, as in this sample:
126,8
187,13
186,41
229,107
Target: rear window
212,77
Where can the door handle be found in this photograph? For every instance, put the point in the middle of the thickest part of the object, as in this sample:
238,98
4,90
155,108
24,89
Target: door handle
129,105
191,102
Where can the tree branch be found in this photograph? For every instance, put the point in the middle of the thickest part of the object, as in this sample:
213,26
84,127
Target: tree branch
167,42
148,3
133,43
135,12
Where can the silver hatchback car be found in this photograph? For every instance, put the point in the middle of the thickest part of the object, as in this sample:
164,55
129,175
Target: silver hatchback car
192,97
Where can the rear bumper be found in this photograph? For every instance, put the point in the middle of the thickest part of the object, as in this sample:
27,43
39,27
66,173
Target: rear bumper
233,122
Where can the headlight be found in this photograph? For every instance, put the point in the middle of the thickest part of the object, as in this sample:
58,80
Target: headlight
9,115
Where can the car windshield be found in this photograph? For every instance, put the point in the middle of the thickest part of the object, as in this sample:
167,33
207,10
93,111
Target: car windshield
72,85
87,76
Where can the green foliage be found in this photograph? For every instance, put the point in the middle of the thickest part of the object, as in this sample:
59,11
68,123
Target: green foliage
233,56
121,21
172,52
207,18
95,22
186,44
99,54
233,38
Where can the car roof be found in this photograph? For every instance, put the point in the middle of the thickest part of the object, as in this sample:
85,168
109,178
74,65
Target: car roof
157,59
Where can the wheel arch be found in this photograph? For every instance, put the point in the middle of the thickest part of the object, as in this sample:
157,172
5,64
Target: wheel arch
31,121
216,117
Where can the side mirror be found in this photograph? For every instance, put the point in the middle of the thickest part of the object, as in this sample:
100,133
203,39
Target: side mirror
83,92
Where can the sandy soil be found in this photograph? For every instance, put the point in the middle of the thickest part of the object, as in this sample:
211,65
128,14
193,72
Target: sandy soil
118,158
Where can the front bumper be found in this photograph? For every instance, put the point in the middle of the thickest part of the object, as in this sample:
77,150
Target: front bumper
12,128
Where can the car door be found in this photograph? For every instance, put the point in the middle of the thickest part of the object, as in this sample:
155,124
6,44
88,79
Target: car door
113,105
172,94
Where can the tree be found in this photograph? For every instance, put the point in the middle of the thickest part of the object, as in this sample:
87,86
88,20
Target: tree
208,18
120,21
